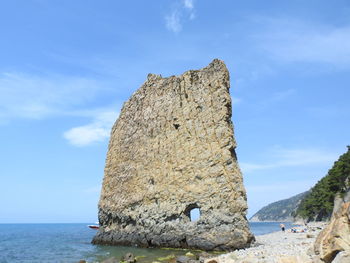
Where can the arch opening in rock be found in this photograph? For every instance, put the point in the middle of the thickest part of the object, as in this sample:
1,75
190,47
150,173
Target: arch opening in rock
193,212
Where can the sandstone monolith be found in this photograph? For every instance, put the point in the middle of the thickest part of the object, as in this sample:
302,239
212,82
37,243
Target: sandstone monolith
172,150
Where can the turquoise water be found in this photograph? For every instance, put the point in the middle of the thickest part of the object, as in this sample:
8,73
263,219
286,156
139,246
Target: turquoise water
71,243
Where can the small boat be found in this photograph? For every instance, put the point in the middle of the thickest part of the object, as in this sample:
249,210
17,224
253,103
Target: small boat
94,226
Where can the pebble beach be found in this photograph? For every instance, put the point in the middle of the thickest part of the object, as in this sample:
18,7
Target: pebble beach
277,247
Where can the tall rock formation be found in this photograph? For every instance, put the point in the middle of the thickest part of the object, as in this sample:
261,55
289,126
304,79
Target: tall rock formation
172,150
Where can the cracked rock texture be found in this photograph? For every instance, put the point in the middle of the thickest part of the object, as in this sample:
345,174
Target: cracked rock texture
335,238
171,150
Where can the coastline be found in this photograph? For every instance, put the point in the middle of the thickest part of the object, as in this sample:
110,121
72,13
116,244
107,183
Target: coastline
272,221
276,247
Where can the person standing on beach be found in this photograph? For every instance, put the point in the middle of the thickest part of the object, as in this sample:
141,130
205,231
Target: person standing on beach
282,227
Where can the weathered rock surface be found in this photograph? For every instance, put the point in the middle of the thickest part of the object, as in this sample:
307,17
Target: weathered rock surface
295,259
171,150
182,259
335,238
342,257
129,258
339,200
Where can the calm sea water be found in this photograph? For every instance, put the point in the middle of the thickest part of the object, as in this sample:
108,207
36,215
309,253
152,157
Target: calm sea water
71,243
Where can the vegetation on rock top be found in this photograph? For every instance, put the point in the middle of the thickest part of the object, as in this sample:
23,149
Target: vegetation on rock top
318,203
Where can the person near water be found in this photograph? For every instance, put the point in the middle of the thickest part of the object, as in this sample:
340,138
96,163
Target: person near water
282,227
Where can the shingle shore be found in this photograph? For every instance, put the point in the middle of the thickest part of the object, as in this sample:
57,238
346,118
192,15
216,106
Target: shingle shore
273,247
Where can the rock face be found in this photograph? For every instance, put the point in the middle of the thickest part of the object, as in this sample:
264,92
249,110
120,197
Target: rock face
335,238
172,150
339,200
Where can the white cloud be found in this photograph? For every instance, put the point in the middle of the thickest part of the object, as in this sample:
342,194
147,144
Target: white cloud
173,21
281,187
96,131
188,4
85,135
26,96
297,41
236,101
279,157
37,97
192,16
180,12
276,97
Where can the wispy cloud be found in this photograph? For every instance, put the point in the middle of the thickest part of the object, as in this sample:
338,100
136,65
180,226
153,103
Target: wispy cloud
329,111
236,101
278,96
92,190
97,130
281,187
28,96
173,21
279,157
37,97
188,4
299,41
180,12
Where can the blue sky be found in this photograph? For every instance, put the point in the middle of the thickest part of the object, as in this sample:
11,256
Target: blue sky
66,67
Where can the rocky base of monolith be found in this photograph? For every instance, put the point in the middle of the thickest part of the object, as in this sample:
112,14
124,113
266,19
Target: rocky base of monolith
214,232
172,150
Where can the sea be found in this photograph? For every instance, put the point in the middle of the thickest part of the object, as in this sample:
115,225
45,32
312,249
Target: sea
31,243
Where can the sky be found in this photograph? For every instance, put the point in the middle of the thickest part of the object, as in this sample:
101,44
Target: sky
66,67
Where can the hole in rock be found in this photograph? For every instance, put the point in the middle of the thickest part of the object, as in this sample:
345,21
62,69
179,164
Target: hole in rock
195,214
233,153
176,126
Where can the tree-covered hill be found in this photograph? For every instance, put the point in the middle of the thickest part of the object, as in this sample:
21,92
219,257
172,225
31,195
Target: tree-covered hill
318,204
282,210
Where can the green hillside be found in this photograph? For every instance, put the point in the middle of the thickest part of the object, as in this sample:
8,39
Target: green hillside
282,210
318,204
